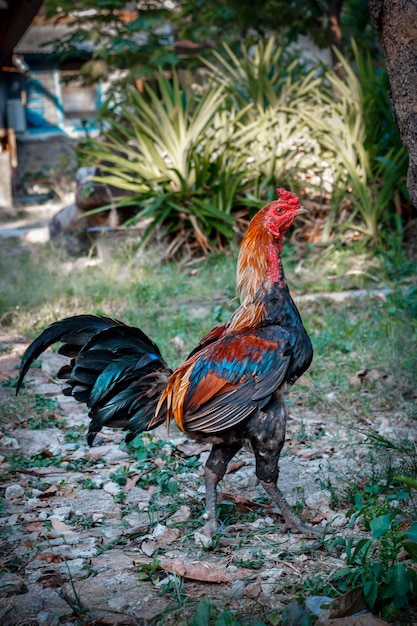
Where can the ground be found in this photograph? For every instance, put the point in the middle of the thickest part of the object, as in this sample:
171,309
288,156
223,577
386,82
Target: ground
93,536
109,535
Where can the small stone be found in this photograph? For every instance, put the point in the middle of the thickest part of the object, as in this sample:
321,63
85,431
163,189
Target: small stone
272,573
318,604
11,585
252,591
336,520
149,546
61,513
14,492
237,590
10,442
182,515
112,488
202,540
47,619
118,604
165,536
319,501
293,614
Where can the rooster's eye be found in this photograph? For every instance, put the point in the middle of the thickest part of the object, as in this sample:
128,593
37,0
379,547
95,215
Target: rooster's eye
280,211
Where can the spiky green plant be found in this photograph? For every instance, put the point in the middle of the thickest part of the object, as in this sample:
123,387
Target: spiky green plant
353,123
173,152
264,75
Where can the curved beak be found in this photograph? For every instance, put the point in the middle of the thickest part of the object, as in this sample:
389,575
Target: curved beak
302,210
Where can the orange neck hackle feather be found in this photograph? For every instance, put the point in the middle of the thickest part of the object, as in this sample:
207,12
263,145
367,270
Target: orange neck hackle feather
259,263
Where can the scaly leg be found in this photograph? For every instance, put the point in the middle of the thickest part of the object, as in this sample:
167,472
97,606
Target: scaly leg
291,519
213,473
267,439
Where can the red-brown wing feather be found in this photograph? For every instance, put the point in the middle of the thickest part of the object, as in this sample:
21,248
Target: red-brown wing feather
229,379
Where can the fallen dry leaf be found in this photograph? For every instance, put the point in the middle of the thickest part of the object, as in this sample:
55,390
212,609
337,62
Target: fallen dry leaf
242,503
60,526
371,376
49,557
50,491
195,571
131,482
349,603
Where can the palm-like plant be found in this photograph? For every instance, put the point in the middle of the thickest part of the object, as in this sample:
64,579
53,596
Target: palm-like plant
359,139
263,75
174,152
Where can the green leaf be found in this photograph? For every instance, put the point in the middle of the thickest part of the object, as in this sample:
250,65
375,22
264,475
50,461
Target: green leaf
398,580
411,533
202,614
411,548
380,525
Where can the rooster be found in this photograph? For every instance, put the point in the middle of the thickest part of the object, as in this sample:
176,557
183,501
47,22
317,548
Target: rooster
230,389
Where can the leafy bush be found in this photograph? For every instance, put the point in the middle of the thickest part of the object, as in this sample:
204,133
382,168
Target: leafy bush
189,159
352,121
377,565
172,151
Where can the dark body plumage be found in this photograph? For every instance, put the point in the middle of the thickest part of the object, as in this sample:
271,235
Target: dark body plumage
229,391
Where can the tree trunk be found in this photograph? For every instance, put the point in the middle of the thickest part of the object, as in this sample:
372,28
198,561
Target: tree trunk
396,22
334,10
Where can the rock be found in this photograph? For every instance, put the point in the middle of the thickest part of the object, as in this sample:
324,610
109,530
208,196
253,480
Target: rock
336,520
112,488
293,614
149,546
87,502
14,492
47,619
9,442
61,513
36,442
24,608
252,591
319,501
11,584
237,590
318,604
99,594
182,515
165,536
202,540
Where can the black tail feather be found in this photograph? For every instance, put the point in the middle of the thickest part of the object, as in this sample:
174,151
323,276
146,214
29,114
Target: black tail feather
75,331
115,369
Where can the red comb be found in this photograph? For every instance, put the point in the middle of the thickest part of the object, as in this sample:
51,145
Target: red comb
288,198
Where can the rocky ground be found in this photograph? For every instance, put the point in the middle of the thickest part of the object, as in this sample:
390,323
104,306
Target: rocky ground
107,535
98,536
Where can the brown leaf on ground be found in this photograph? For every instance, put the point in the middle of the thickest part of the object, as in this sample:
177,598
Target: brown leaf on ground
131,482
371,376
49,557
348,604
242,503
50,491
195,571
60,526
